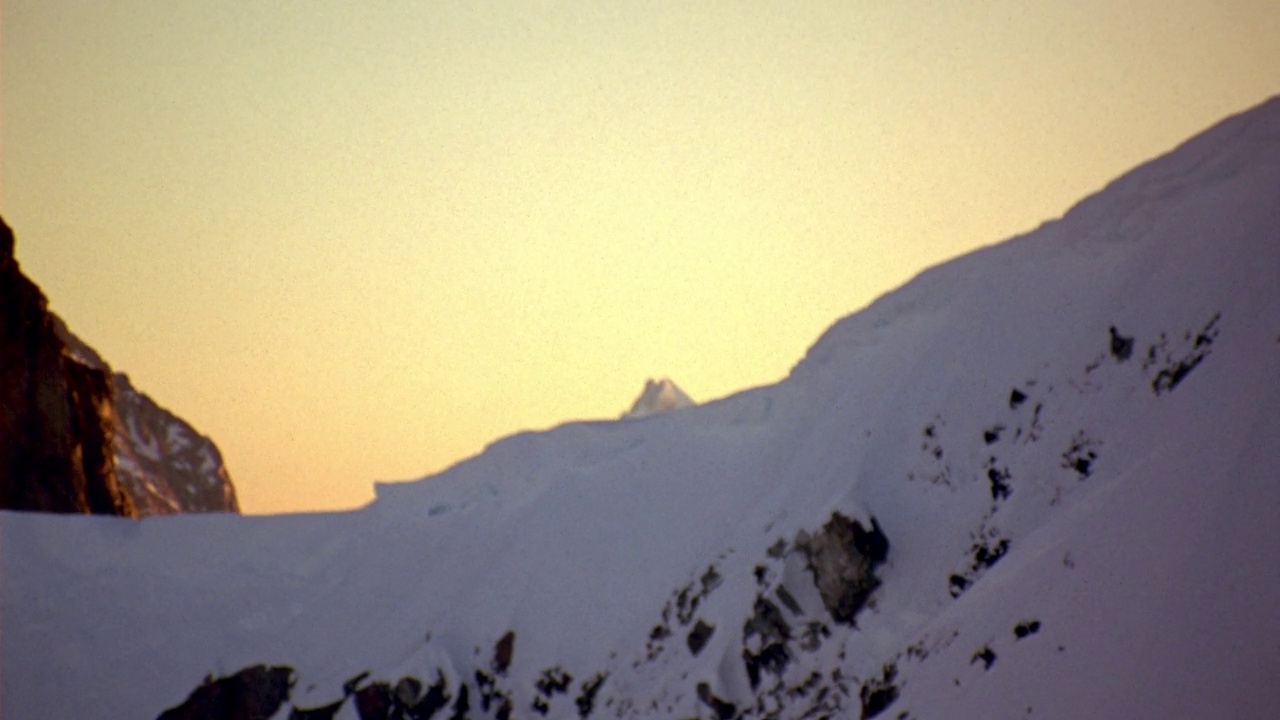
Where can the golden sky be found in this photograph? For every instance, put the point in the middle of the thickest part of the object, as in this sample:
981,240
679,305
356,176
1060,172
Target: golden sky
359,241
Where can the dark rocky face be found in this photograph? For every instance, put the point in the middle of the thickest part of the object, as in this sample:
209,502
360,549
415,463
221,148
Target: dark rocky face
843,556
55,429
254,693
80,438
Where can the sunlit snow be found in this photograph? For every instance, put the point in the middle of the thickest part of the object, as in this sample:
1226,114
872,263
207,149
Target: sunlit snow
1069,440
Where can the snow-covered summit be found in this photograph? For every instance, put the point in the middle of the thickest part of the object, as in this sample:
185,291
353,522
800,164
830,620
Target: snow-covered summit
661,395
1036,481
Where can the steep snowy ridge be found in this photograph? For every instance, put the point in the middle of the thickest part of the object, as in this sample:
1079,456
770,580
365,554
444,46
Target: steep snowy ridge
1037,481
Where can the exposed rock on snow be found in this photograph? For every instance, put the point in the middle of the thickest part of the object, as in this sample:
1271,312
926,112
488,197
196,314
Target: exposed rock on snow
699,635
843,556
254,693
503,652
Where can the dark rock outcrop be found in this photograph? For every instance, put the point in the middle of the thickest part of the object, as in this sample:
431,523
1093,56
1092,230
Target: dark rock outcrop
254,693
503,652
120,453
721,707
375,702
765,636
56,433
699,636
1121,345
164,464
843,556
878,693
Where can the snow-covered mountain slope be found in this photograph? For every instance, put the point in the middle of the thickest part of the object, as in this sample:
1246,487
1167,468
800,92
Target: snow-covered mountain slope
164,463
1038,481
659,396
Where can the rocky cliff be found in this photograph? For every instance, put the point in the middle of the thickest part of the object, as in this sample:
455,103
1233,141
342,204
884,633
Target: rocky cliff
163,462
159,462
56,432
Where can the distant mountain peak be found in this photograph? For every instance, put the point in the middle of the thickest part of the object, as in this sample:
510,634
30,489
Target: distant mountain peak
661,395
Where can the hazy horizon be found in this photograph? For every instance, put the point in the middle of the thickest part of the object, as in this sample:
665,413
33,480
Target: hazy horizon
359,243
